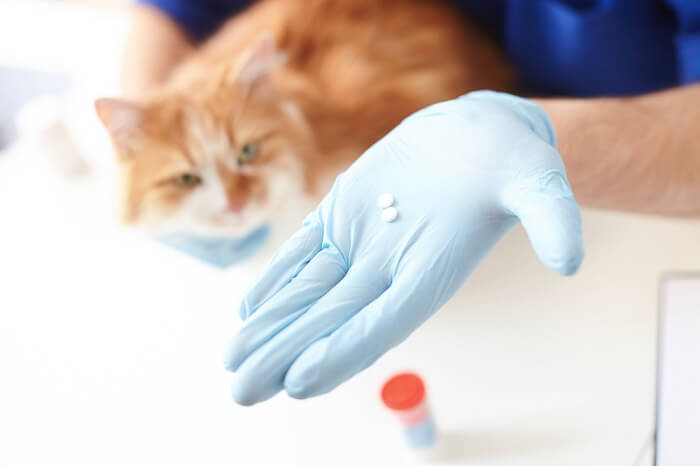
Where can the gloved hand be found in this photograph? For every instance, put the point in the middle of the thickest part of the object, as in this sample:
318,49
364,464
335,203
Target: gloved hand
349,286
220,252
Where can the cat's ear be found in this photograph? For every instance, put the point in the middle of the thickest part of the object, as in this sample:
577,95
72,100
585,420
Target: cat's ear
121,118
258,62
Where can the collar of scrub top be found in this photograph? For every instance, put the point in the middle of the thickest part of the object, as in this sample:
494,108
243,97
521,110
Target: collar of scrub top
220,252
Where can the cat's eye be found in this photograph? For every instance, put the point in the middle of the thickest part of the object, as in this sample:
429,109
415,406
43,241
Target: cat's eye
248,152
187,180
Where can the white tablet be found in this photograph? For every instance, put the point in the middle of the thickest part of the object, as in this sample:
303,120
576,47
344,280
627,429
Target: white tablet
678,396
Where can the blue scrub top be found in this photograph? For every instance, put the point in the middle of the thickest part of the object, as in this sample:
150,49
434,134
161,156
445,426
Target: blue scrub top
565,47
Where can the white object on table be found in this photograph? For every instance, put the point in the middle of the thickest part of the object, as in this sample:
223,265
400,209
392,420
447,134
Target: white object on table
678,435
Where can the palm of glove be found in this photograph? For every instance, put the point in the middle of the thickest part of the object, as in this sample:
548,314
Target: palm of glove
350,286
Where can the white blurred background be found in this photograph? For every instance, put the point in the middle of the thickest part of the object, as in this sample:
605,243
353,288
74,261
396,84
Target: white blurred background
110,344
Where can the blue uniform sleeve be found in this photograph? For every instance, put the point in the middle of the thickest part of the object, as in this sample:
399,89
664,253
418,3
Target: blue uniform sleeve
687,39
199,18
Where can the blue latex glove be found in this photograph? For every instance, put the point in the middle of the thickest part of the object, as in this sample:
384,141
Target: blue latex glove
349,286
219,252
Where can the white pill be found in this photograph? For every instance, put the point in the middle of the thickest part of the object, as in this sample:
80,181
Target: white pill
385,200
390,214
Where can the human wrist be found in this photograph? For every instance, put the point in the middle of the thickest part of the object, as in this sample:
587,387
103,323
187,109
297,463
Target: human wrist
632,153
154,46
564,115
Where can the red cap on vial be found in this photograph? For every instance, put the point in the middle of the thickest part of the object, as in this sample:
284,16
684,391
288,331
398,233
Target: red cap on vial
403,391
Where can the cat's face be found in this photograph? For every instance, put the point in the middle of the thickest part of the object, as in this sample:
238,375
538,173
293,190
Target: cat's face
217,161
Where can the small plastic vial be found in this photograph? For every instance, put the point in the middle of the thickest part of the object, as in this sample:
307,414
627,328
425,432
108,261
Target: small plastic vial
404,394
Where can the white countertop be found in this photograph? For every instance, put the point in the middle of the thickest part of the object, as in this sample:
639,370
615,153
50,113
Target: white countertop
110,346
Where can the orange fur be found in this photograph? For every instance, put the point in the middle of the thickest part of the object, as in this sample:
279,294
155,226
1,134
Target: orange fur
352,70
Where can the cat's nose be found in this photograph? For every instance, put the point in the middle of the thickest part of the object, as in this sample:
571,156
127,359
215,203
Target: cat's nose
236,205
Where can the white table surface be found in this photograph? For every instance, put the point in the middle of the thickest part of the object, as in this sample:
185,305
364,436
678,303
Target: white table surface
110,345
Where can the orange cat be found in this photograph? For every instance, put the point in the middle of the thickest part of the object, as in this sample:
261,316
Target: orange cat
254,126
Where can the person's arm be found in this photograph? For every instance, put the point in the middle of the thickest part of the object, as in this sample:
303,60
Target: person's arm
639,154
156,43
163,32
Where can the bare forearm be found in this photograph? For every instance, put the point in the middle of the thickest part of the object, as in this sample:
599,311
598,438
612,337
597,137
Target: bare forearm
155,45
639,154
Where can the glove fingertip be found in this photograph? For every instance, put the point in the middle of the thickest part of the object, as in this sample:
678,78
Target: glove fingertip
567,264
230,363
235,353
558,243
299,392
242,396
301,380
249,389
